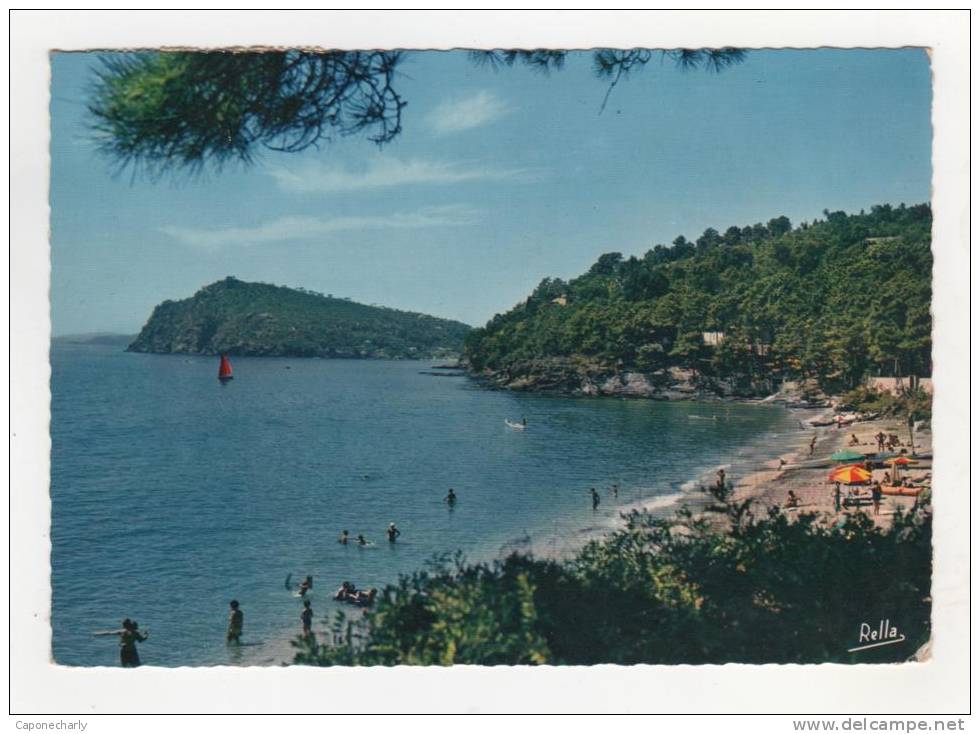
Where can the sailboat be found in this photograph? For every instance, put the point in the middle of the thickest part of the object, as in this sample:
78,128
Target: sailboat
224,369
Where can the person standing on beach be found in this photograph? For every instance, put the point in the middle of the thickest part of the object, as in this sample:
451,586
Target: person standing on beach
595,499
836,496
306,617
813,444
236,621
876,497
721,479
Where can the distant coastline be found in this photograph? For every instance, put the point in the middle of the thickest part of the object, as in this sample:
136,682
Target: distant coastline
100,338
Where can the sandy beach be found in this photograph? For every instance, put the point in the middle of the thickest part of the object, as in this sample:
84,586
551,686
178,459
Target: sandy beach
807,475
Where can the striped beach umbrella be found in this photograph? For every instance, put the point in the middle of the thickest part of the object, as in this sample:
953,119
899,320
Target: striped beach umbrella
851,474
900,461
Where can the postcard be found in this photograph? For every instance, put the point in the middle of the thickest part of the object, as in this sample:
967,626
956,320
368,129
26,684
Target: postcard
393,356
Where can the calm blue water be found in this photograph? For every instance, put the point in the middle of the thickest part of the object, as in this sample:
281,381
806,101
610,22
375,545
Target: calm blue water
173,494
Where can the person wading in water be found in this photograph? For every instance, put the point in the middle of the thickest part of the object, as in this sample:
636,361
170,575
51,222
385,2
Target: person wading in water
306,617
392,532
595,499
129,635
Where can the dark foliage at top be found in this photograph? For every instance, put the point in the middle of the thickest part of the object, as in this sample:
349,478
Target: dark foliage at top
259,319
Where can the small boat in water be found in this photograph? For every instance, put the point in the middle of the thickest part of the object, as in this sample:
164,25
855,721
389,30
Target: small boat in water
515,426
224,369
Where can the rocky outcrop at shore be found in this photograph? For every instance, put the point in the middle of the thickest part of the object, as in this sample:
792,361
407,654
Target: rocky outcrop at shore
577,378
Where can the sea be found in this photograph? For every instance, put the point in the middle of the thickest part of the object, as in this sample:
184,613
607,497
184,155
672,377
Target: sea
173,493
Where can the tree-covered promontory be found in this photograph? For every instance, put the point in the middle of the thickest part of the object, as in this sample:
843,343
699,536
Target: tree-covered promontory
236,317
833,300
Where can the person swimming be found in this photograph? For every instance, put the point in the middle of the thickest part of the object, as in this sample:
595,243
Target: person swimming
450,498
344,538
595,498
361,540
306,617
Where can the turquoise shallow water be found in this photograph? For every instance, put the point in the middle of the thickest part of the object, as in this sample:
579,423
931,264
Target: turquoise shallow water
172,494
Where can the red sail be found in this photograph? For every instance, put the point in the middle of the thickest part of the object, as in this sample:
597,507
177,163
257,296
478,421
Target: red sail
224,371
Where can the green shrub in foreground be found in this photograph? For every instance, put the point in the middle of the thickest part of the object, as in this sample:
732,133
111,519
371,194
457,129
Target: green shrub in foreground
728,586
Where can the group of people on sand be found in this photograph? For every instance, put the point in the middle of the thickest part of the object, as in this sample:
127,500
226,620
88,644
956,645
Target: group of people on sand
855,496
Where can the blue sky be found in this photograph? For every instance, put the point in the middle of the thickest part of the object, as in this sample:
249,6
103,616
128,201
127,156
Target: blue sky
499,180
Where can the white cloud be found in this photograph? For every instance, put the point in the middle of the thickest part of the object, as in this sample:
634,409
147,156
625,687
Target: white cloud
301,228
466,113
386,171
